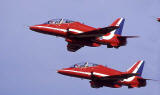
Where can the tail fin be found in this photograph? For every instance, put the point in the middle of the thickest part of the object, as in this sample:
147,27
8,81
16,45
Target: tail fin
137,68
118,22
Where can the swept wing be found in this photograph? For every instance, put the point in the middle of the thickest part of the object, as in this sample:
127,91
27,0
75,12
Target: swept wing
94,33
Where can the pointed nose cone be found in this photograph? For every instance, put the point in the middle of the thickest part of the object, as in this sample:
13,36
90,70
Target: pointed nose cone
63,72
60,71
38,28
33,28
30,27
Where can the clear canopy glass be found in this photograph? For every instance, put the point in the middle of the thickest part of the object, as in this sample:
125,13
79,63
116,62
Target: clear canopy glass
59,21
83,64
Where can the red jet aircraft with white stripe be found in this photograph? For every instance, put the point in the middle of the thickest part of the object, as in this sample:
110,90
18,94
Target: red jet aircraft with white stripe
79,35
103,76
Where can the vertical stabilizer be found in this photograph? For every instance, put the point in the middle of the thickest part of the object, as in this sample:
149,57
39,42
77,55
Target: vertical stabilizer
137,68
118,22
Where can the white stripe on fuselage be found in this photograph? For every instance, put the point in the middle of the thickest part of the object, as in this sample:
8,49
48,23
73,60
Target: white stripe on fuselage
129,79
110,36
74,30
64,30
87,73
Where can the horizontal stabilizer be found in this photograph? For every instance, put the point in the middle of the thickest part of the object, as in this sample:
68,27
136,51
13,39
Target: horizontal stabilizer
151,79
129,36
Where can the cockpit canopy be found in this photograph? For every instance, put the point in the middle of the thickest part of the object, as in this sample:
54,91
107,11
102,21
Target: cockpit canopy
83,64
59,21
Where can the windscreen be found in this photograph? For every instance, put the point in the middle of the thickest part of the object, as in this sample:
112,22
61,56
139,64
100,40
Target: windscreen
59,21
83,64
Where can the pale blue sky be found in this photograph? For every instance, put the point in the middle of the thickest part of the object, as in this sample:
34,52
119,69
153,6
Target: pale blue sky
29,60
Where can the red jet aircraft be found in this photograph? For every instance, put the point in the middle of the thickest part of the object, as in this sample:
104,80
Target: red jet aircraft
79,35
103,76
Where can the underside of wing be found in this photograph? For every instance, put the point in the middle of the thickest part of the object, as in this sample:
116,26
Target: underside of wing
112,78
73,47
94,33
118,77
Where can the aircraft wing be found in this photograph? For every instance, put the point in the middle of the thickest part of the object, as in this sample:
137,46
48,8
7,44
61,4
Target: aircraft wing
114,77
119,77
94,33
73,47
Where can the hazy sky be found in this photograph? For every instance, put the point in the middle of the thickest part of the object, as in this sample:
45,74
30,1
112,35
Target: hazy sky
29,60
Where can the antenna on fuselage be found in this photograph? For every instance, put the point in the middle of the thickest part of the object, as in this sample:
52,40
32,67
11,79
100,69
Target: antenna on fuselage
61,21
86,64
